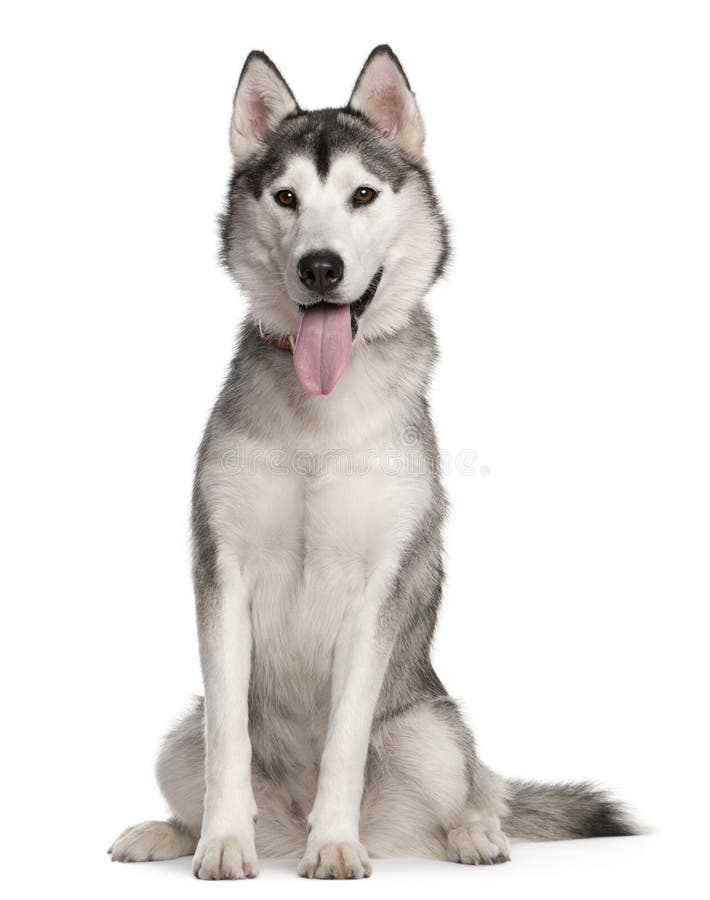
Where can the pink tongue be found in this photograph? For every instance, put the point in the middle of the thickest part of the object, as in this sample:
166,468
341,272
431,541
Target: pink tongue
323,347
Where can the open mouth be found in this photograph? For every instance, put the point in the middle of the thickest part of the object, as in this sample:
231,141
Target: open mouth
358,307
324,342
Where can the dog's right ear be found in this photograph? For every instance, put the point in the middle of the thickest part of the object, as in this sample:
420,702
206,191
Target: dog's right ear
261,102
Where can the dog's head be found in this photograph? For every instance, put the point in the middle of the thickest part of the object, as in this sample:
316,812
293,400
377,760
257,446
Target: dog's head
332,227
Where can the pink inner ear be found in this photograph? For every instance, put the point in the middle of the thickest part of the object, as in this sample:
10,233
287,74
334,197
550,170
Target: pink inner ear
257,114
384,105
387,101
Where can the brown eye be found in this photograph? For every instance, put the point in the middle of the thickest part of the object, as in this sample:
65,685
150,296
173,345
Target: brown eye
286,198
363,196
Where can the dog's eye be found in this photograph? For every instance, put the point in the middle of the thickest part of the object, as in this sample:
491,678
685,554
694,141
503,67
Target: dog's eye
363,196
286,198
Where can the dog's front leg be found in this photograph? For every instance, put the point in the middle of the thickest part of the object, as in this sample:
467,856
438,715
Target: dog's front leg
226,848
361,656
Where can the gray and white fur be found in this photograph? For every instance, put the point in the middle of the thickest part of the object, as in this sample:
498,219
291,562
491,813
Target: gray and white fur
325,733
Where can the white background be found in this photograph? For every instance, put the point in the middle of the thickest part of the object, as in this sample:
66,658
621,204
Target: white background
571,148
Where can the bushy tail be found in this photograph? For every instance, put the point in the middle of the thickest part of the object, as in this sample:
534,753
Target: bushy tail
559,812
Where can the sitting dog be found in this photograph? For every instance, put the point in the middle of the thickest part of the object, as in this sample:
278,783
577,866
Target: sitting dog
325,733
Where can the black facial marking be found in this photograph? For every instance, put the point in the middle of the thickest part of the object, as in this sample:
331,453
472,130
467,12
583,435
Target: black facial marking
322,151
321,136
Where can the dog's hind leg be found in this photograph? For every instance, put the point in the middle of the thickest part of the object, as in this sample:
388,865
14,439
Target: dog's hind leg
180,769
479,839
180,772
181,775
427,794
153,841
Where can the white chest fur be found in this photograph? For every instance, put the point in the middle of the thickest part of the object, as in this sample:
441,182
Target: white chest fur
308,532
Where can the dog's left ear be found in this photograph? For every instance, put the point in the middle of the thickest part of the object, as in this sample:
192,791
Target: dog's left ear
262,101
383,95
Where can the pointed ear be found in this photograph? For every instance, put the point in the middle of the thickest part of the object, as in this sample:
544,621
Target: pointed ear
383,95
262,101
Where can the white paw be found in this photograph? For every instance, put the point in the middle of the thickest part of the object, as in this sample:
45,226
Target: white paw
335,860
225,857
151,841
475,845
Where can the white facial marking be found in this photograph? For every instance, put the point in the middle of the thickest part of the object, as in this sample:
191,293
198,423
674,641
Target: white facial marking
396,232
325,219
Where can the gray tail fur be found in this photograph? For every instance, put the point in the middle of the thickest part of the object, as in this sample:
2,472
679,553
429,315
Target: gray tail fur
559,812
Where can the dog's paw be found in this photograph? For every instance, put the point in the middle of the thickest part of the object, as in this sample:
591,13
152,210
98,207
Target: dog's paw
335,860
476,845
152,841
225,857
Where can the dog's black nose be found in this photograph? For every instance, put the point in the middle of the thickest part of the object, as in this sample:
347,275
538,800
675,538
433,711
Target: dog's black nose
321,271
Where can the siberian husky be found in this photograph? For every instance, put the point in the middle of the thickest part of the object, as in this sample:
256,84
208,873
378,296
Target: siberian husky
325,733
